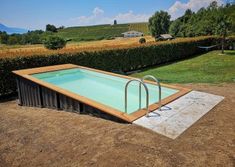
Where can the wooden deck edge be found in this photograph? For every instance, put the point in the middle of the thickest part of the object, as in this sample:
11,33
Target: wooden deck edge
26,73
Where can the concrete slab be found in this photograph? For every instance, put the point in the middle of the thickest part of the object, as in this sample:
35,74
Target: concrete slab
179,115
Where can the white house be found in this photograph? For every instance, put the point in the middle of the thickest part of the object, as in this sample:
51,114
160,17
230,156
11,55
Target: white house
164,37
130,34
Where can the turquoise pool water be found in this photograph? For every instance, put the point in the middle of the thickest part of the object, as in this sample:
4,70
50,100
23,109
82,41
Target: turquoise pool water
103,88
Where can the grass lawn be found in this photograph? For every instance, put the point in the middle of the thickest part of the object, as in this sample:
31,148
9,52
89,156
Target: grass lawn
211,67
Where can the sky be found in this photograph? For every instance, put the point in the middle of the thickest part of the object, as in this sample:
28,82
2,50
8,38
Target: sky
35,14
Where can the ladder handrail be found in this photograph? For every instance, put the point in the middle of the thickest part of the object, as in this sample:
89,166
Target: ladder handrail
147,94
159,88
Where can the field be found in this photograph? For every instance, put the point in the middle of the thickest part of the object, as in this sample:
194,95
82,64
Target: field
211,67
74,47
28,50
99,32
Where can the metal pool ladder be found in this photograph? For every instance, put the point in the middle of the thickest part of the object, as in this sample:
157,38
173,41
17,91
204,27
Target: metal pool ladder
159,88
147,94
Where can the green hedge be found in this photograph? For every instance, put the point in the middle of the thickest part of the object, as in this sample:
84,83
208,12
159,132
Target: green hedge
125,59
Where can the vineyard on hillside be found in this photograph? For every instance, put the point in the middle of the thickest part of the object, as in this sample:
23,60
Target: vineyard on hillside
142,27
91,33
100,32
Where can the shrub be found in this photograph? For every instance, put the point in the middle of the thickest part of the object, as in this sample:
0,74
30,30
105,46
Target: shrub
51,28
123,59
110,38
12,40
54,43
100,38
142,40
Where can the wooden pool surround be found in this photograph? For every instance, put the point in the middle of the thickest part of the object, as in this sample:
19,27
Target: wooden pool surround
26,73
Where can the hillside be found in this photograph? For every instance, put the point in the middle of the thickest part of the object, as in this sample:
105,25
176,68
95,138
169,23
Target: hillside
142,27
98,32
12,30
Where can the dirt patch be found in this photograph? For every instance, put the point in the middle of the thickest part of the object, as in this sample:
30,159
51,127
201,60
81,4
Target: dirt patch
43,137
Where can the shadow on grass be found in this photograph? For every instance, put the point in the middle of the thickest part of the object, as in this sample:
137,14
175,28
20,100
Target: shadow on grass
230,53
167,63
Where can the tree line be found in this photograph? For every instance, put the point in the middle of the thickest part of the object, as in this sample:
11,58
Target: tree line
213,20
31,37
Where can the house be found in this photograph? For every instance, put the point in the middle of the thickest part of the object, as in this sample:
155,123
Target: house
164,37
130,34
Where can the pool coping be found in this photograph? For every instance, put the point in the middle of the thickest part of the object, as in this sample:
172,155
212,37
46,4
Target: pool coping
26,73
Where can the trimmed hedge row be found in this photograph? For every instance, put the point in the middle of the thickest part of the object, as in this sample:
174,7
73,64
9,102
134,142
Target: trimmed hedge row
109,60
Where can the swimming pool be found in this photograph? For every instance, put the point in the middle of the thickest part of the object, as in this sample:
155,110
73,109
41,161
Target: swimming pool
98,89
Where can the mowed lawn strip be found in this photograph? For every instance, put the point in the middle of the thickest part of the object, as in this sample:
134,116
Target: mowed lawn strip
211,67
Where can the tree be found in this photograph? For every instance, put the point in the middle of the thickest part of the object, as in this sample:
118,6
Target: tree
213,5
142,40
35,38
187,15
51,28
115,22
3,37
203,22
61,28
175,28
12,40
159,23
54,43
223,26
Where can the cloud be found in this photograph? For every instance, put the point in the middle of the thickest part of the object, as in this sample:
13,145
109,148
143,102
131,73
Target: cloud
98,17
178,8
131,17
97,11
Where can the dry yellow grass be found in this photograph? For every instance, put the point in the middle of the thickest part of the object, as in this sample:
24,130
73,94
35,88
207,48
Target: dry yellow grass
31,50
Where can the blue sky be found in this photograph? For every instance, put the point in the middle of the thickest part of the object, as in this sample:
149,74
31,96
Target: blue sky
35,14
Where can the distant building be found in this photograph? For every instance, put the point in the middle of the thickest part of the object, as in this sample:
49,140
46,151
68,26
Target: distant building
164,37
130,34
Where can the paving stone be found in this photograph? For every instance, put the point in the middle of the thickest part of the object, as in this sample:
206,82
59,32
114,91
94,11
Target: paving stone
179,115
